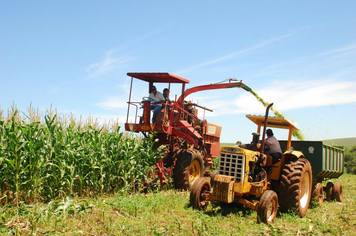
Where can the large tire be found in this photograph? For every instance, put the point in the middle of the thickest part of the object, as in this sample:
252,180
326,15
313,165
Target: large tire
268,207
296,186
329,189
200,188
319,193
188,168
337,192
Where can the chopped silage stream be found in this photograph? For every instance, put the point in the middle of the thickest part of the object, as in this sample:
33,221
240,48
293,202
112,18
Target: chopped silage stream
296,133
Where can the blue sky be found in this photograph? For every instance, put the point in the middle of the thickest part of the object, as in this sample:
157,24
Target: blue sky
74,55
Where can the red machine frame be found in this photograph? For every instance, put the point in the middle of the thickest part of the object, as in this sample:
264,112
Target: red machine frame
176,131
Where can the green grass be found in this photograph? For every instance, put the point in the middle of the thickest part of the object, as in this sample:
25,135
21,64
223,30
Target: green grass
168,213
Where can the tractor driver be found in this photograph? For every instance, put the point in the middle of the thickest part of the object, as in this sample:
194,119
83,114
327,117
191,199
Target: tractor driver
155,96
275,149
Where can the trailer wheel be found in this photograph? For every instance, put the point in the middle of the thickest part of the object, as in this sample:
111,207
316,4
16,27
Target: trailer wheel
199,193
267,208
296,186
329,191
212,176
337,192
319,193
188,168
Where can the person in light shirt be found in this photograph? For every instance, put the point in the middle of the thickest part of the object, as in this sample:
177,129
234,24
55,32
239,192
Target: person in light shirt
275,148
155,96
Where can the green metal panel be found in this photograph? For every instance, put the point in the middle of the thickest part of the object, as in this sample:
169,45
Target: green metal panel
326,161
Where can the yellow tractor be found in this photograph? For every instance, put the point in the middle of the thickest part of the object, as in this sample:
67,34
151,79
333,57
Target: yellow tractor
248,176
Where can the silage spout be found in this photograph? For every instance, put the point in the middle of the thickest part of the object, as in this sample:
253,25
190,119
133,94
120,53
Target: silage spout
245,87
295,133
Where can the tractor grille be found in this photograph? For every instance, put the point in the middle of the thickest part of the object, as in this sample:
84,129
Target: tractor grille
232,165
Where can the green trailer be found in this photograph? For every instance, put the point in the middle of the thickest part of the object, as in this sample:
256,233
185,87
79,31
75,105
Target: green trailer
327,163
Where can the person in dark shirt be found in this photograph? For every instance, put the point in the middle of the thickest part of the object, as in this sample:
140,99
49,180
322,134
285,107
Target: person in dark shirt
275,148
166,95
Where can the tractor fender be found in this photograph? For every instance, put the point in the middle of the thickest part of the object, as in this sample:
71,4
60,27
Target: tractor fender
291,154
277,168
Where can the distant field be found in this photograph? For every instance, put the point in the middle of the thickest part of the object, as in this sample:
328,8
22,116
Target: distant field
341,142
226,144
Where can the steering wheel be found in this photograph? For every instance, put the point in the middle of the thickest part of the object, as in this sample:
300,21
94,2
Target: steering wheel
147,99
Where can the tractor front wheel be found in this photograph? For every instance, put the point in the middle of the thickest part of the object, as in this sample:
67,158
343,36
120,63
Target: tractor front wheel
267,208
199,194
188,168
296,186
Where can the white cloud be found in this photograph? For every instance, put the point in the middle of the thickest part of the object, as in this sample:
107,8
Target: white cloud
285,96
296,95
316,93
342,50
110,62
113,102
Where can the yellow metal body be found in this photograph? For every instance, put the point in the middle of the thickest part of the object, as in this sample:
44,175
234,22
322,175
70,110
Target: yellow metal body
225,187
228,187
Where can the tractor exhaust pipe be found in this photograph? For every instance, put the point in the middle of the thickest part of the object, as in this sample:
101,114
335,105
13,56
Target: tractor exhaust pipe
264,129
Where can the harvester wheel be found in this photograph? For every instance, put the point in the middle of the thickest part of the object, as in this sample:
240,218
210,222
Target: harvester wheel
198,195
329,191
188,168
296,186
319,193
337,192
212,176
267,208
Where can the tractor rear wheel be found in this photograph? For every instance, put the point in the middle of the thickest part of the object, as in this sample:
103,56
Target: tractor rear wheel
319,193
188,168
267,208
329,191
198,195
296,186
337,192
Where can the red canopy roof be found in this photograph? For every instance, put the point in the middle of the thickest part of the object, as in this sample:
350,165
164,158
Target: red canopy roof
158,77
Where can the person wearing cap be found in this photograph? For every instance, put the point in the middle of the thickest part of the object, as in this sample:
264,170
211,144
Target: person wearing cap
275,148
155,96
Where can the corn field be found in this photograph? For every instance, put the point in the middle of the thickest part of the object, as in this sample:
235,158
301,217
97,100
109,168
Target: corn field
46,157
